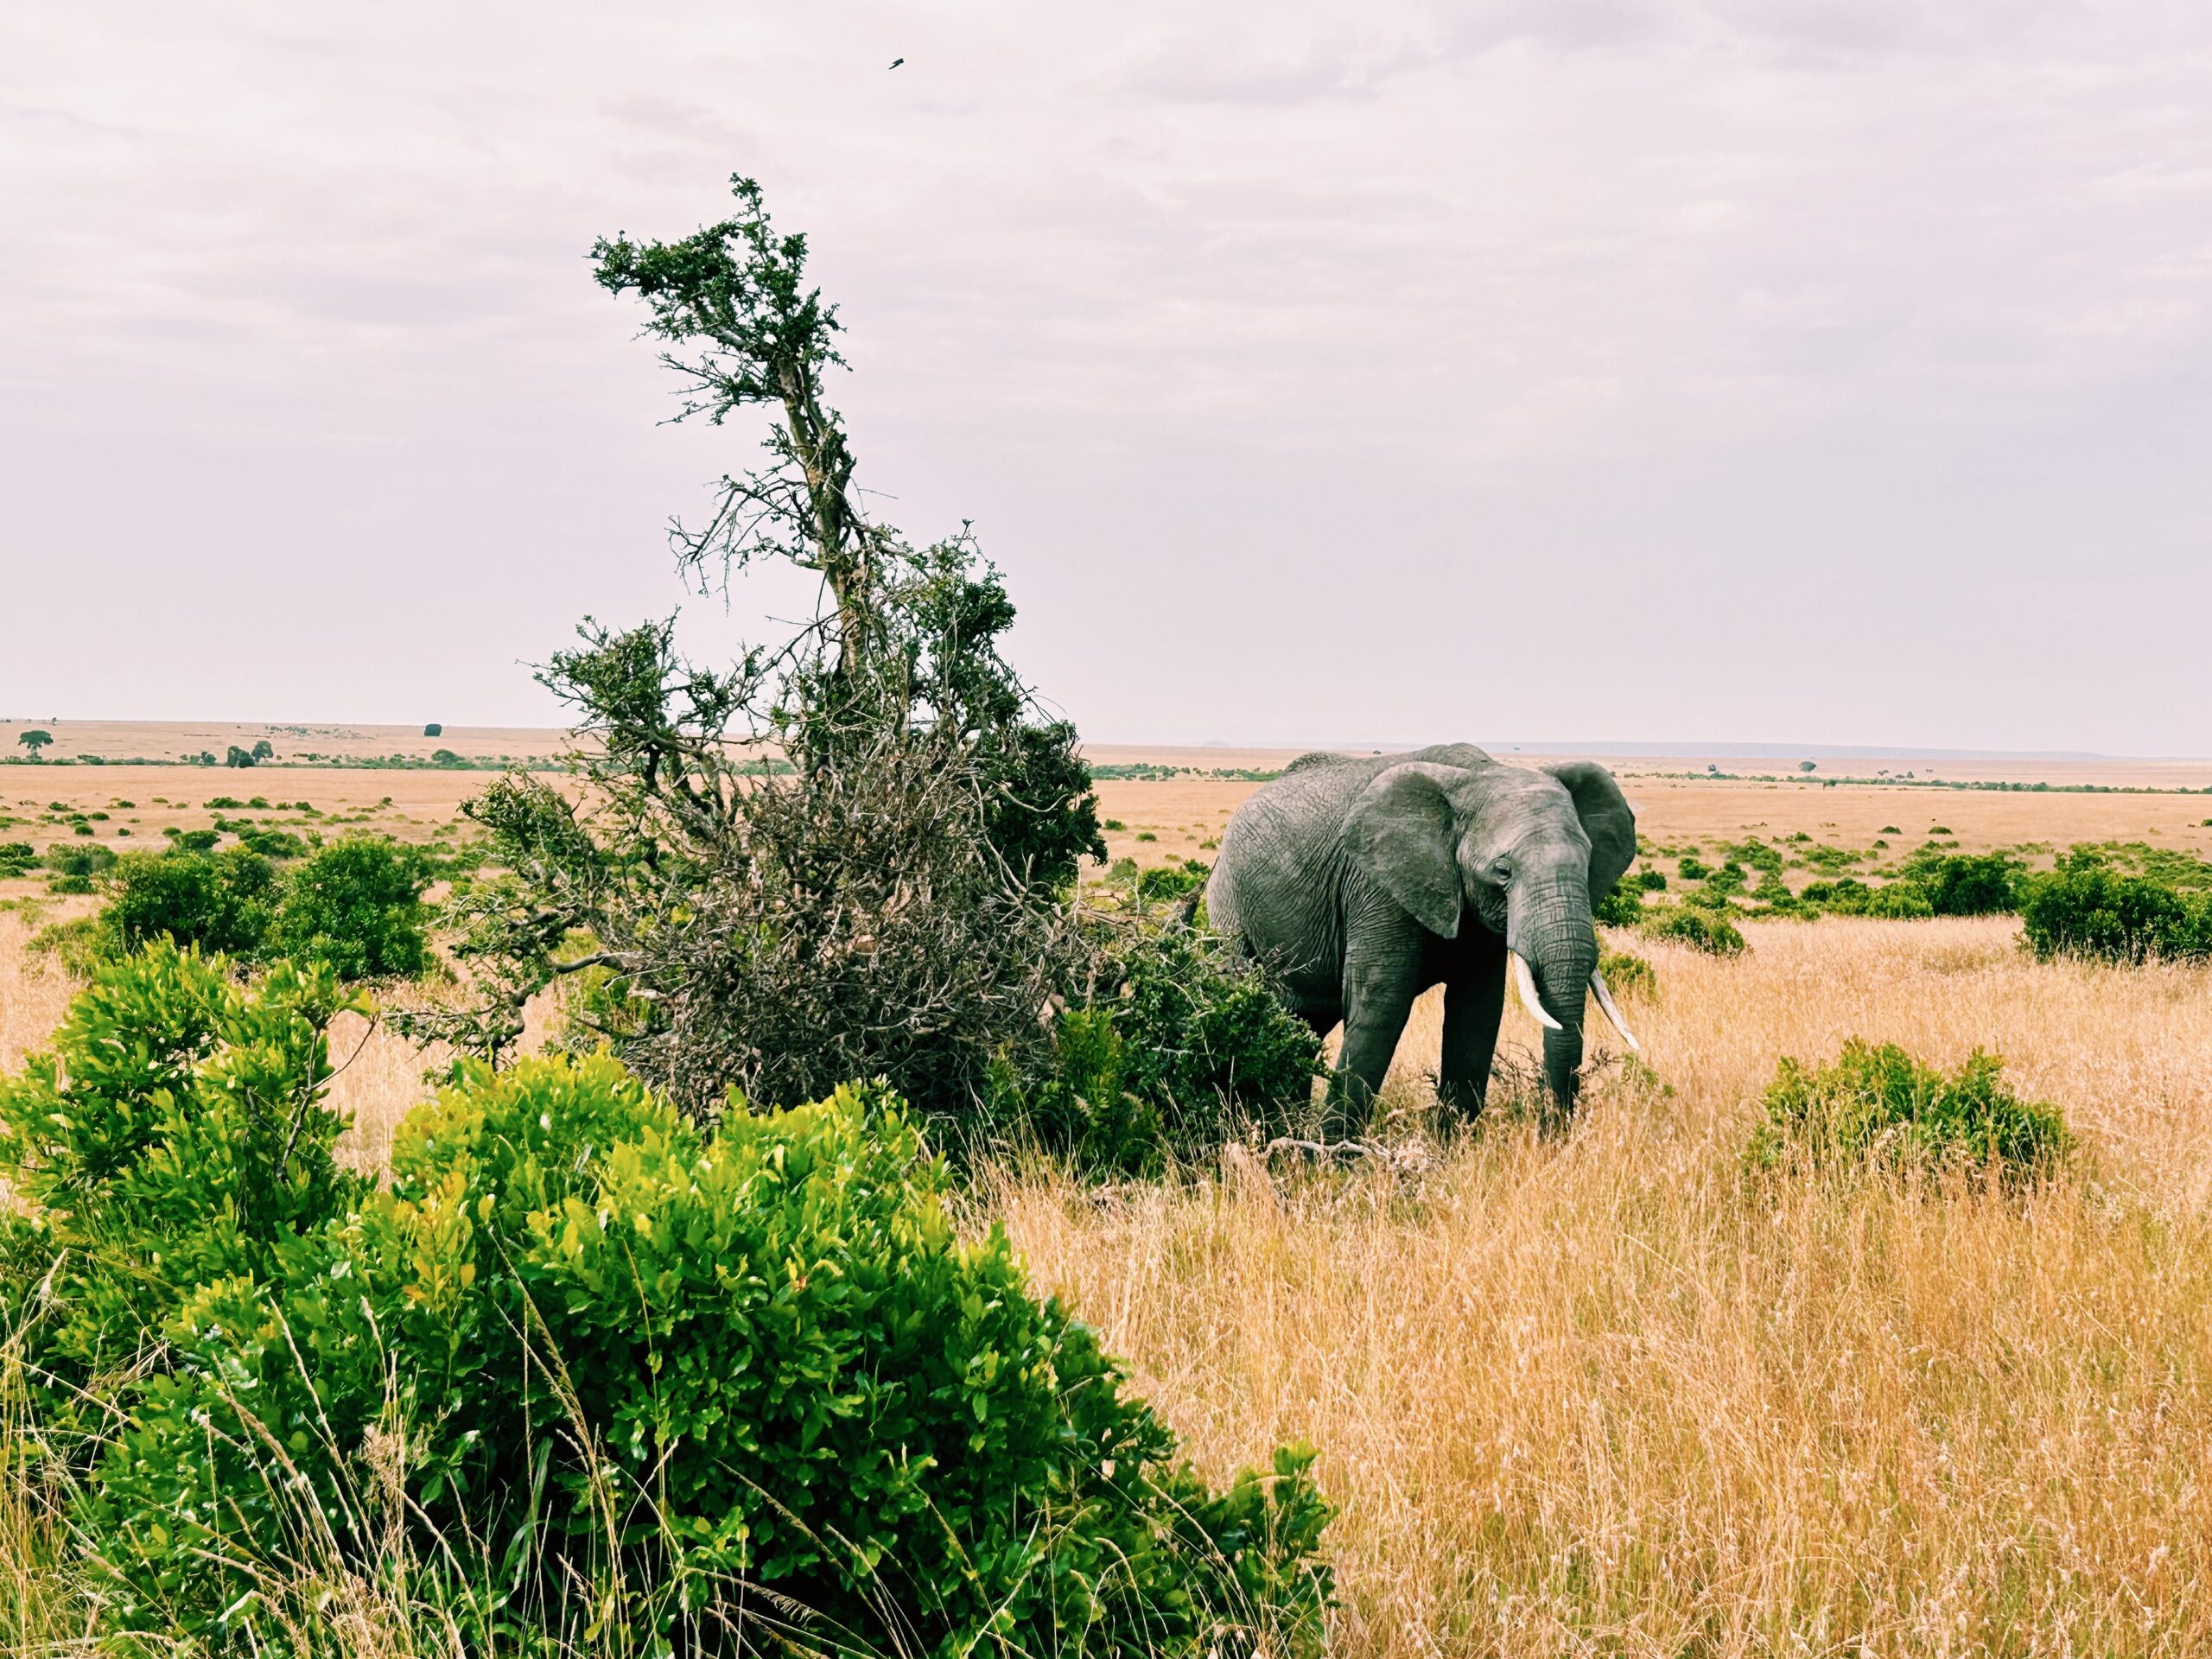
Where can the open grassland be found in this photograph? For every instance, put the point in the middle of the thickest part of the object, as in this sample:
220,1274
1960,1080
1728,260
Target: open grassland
1604,1391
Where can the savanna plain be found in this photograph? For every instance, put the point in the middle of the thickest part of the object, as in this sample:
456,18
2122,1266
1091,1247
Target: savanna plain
1605,1389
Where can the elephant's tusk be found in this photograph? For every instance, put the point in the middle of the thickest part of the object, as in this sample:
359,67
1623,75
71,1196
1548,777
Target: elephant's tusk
1605,1002
1527,983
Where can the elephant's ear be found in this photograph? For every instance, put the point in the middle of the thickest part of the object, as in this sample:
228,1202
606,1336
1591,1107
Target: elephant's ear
1401,832
1606,819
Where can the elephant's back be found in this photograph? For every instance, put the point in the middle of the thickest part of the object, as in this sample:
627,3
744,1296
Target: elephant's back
1276,881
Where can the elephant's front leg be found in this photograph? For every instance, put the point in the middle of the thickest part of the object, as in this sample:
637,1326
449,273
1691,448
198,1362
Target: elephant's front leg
1381,980
1474,1001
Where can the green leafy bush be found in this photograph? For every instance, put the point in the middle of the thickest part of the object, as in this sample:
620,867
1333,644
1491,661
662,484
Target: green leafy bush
1628,976
357,905
1965,884
1880,1103
217,902
1846,896
675,1385
1898,901
197,841
1173,881
71,869
1185,1047
1622,908
1700,929
1651,880
17,858
2086,908
1691,868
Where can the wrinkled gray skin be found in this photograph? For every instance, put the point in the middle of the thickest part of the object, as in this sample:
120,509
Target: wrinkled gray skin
1362,882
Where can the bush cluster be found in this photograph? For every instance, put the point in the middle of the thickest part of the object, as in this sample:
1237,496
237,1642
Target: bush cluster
1879,1104
353,905
2086,908
1173,881
1183,1048
1701,928
703,1392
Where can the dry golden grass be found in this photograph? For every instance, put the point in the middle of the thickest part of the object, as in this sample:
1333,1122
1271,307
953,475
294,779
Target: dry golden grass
1601,1394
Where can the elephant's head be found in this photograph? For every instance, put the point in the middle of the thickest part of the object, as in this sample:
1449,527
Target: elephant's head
1527,851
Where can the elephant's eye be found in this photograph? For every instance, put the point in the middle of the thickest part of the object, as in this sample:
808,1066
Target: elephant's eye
1503,869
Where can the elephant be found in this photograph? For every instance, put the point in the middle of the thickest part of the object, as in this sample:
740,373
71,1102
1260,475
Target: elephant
1362,882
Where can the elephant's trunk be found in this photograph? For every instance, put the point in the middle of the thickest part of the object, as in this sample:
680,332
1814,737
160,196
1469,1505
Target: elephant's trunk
1549,928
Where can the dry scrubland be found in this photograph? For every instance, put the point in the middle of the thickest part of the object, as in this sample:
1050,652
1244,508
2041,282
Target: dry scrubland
1604,1392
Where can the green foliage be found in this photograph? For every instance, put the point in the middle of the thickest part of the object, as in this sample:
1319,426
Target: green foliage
356,906
1652,880
1700,929
17,858
1115,824
1173,881
219,903
279,844
238,757
1960,884
173,1134
1621,907
35,740
2086,908
434,729
1880,1104
1691,868
659,1374
1898,901
71,869
1628,975
1846,896
1756,854
1729,877
1186,1047
197,841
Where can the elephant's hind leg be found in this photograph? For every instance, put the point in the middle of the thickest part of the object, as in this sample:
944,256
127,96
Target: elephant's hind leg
1474,1002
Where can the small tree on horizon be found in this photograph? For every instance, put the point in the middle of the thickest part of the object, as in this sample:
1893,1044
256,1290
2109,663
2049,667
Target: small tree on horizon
35,739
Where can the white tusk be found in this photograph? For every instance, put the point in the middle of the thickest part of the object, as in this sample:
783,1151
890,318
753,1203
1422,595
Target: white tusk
1526,981
1605,1002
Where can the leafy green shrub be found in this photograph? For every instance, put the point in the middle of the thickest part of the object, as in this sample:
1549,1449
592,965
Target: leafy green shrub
1692,868
272,843
1651,880
1846,896
1173,881
1184,1048
1700,929
434,729
1622,908
2085,908
357,905
197,841
219,903
704,1383
1898,901
1709,898
1114,825
1729,877
1146,835
1880,1103
1628,976
17,858
71,869
1962,884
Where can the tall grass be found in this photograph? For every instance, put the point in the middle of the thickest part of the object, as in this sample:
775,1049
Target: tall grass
1609,1392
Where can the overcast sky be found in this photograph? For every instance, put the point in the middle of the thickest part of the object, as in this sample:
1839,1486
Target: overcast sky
1819,370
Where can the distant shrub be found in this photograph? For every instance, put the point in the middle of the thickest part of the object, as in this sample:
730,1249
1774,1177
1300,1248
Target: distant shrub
1878,1103
1898,901
225,804
768,1351
197,840
1709,898
1173,881
1113,823
1962,884
1846,896
1146,835
73,869
434,729
1890,829
1651,880
1628,975
220,904
272,843
356,905
17,858
1622,908
2085,908
1700,929
1692,868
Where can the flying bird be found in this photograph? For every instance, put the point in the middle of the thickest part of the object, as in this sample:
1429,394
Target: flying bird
895,62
